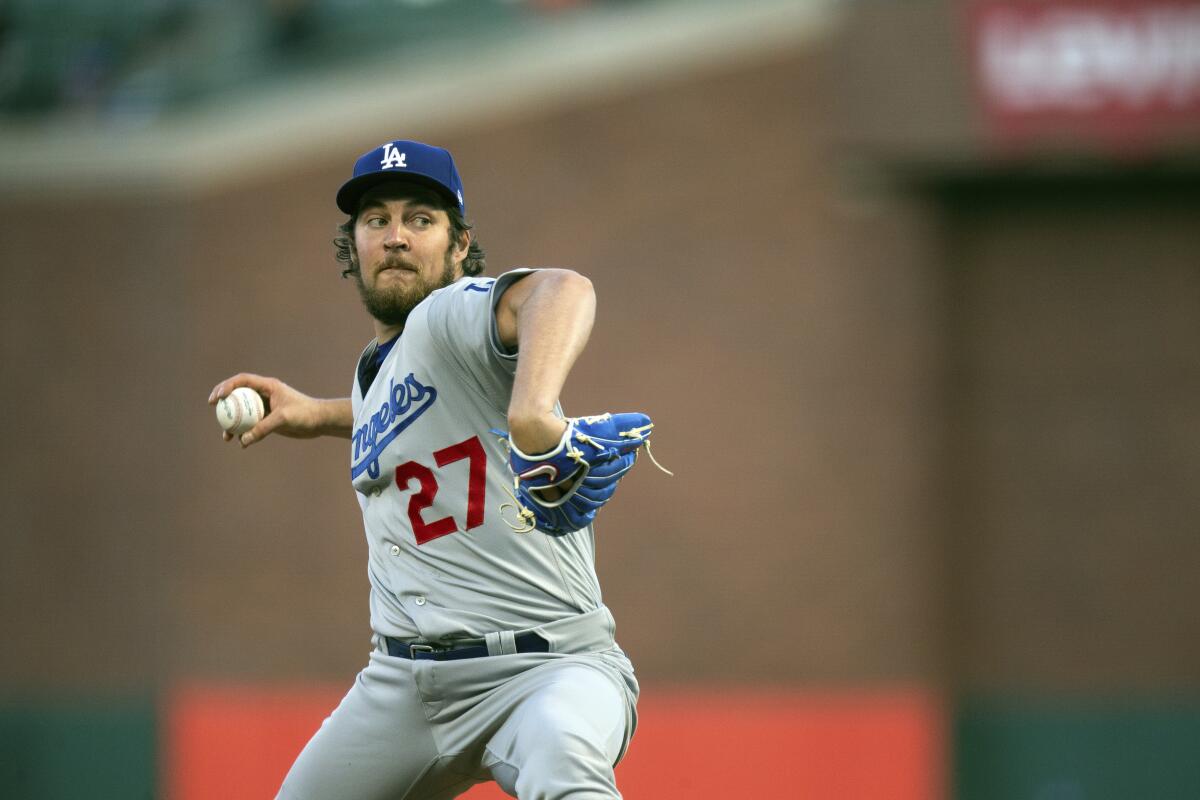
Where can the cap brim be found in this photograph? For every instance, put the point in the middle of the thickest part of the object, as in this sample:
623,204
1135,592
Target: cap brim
349,196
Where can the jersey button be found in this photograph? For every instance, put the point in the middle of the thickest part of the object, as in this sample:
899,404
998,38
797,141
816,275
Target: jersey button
395,549
376,492
420,600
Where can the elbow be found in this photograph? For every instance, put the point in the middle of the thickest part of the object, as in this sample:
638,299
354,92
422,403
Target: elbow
572,280
566,287
580,287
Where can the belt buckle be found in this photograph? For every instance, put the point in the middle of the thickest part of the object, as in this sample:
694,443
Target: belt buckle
413,649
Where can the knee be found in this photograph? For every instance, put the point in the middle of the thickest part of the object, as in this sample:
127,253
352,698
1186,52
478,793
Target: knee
561,743
569,768
559,759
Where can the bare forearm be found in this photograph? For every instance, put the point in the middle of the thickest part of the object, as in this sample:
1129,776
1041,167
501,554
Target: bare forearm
337,418
553,326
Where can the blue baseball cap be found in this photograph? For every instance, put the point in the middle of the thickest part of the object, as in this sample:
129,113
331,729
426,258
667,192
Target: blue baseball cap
403,160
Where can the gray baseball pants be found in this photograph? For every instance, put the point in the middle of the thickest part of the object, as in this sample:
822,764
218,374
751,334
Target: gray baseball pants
544,726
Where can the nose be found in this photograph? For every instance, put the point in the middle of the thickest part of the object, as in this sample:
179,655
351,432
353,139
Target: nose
397,238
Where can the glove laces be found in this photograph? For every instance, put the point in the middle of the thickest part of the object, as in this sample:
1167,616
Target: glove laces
640,433
526,516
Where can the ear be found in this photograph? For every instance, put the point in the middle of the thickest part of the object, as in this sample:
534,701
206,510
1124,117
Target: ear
461,248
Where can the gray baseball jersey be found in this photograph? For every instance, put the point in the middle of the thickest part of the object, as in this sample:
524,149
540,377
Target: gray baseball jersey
445,565
431,480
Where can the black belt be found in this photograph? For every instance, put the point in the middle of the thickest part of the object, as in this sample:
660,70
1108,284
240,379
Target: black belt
528,642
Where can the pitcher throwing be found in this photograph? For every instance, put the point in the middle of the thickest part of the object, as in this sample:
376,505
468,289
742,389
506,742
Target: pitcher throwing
494,657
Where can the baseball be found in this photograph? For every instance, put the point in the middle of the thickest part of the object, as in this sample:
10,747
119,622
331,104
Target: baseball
240,411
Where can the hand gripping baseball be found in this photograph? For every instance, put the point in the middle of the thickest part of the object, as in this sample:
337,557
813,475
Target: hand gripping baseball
560,491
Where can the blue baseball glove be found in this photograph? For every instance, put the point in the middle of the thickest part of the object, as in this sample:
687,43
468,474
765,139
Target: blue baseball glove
560,491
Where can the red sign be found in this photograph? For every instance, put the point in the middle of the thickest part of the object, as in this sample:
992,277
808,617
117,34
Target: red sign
1115,69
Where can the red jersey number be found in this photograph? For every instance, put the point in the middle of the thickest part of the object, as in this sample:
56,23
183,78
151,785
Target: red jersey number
471,450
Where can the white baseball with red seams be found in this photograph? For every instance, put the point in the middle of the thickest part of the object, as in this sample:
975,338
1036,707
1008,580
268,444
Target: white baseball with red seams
240,411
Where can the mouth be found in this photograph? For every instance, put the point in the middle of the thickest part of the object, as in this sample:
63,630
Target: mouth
395,267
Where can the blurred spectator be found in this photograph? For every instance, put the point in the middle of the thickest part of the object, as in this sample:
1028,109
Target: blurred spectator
294,25
134,60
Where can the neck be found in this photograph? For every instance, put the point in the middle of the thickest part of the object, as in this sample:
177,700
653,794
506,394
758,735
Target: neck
384,333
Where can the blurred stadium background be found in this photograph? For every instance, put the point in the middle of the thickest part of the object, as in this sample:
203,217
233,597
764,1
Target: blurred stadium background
912,288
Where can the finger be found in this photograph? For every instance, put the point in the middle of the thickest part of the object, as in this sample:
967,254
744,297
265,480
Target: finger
263,429
636,430
223,388
626,432
595,496
227,436
611,469
630,421
256,382
558,521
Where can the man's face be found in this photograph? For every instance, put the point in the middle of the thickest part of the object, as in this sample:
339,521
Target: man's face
405,251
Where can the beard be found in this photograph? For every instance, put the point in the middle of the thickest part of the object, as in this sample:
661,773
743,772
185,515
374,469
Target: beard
393,304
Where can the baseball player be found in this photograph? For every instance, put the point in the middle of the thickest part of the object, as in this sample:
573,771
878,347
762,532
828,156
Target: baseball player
494,657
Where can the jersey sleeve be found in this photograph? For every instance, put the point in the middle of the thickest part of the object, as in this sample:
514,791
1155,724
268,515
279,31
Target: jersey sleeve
462,325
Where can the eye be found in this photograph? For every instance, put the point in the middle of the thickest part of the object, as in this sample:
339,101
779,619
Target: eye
422,221
375,221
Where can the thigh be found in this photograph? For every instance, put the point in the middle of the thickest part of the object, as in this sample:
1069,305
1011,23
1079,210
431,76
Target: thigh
563,737
376,745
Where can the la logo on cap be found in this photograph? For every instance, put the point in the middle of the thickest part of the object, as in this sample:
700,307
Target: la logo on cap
392,157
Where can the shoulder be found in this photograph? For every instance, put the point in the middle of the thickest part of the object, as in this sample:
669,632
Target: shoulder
501,284
480,290
484,284
462,290
458,314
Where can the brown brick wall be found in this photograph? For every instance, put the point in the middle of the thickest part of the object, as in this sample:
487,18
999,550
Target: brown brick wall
793,325
771,333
